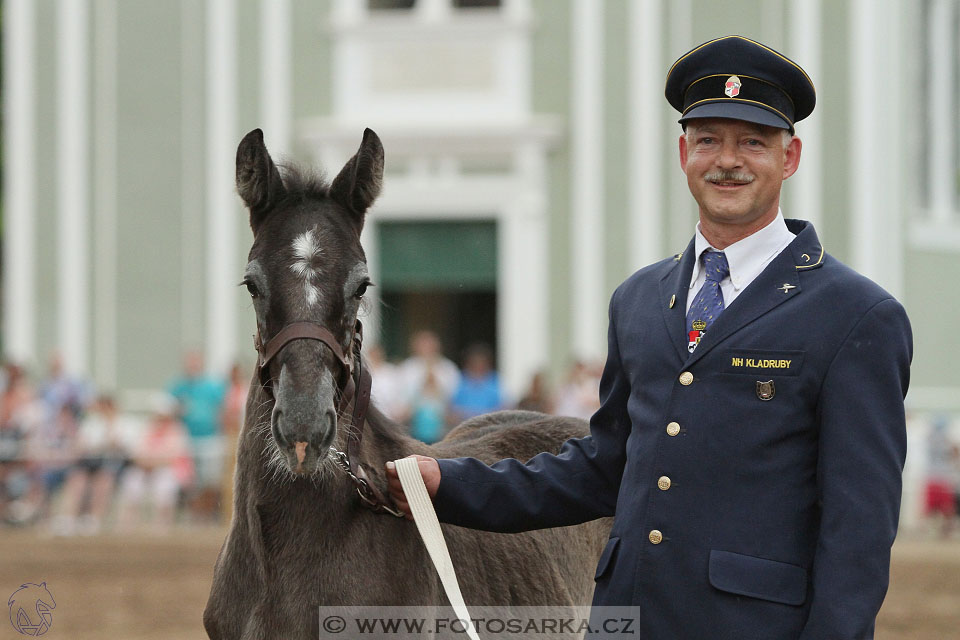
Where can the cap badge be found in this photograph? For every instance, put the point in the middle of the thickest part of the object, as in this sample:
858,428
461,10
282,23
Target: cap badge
732,87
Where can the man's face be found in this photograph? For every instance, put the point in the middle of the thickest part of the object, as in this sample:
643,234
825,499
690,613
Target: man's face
735,170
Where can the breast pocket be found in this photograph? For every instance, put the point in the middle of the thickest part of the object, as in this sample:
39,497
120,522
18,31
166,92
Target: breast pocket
758,578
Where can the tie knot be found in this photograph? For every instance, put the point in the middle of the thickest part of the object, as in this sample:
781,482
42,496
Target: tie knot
715,266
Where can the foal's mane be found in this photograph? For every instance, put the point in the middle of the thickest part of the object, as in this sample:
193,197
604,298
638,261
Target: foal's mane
385,428
304,183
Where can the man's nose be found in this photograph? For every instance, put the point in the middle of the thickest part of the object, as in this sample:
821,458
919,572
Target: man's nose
729,156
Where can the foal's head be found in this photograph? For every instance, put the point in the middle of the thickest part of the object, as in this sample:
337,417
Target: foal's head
306,265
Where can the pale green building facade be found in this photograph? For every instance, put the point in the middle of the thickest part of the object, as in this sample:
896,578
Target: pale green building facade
530,153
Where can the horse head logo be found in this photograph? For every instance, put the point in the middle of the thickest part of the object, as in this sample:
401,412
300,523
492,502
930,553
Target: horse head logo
30,607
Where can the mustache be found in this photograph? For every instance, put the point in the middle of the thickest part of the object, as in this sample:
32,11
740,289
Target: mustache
728,176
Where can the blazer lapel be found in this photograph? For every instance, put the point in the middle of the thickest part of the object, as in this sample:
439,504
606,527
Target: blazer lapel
776,284
674,287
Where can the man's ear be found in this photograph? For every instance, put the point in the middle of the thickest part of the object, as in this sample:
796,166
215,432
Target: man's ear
791,157
683,152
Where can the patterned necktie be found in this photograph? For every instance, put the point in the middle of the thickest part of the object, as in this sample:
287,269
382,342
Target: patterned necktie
709,301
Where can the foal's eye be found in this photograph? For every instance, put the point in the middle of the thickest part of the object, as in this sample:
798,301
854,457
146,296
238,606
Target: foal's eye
251,288
361,290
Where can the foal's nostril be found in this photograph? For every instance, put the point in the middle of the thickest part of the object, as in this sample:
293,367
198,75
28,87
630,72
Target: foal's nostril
327,431
275,428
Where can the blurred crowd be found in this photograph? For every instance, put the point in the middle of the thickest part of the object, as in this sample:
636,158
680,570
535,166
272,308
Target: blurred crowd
430,394
71,460
75,462
941,497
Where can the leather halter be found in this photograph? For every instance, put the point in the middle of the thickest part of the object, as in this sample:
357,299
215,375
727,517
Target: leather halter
354,385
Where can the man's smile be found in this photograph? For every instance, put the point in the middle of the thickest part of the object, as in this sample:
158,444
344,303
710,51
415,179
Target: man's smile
726,179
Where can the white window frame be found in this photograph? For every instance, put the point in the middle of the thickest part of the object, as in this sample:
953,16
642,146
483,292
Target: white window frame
937,225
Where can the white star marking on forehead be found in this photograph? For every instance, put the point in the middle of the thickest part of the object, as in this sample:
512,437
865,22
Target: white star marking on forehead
306,248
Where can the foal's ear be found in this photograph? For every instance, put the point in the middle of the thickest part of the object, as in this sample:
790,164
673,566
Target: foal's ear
258,180
358,183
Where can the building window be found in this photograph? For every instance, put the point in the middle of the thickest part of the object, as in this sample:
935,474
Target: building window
390,5
940,152
471,4
380,5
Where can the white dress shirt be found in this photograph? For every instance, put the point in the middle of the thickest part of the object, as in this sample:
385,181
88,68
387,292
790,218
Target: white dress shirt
747,258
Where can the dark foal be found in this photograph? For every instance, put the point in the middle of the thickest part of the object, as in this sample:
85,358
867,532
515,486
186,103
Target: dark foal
301,537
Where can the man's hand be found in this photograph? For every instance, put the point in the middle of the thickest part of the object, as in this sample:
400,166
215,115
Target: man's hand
429,471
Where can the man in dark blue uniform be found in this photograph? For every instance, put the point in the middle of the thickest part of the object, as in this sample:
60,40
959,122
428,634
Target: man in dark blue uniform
751,434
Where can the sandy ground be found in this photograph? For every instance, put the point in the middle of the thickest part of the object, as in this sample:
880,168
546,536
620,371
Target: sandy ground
144,587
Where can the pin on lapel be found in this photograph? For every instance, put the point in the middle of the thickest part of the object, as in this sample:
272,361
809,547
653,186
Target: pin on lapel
766,390
786,287
673,300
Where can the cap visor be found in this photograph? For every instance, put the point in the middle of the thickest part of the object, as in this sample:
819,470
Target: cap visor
736,111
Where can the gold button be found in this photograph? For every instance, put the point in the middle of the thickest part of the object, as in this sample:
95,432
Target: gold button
663,483
673,429
686,378
655,537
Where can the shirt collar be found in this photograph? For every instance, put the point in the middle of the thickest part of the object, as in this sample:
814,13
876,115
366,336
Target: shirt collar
747,257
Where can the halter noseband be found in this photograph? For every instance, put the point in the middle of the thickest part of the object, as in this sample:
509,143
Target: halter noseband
308,331
353,380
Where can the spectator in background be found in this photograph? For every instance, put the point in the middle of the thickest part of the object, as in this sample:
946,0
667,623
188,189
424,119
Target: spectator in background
104,444
60,389
201,398
579,396
426,357
53,452
386,391
538,396
16,400
20,413
234,408
479,390
942,477
53,444
428,410
161,468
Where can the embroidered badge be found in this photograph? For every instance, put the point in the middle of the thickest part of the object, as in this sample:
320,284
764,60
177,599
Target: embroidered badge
694,337
766,390
732,87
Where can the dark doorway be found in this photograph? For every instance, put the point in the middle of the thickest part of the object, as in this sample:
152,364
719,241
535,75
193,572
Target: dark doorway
459,319
439,276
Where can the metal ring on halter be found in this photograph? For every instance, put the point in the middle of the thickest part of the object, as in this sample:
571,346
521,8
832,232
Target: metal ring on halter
364,490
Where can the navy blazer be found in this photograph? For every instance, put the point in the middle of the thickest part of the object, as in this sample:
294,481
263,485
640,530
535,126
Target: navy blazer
756,482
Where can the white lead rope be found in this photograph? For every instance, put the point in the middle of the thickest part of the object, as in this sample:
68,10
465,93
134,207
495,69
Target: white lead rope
429,527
